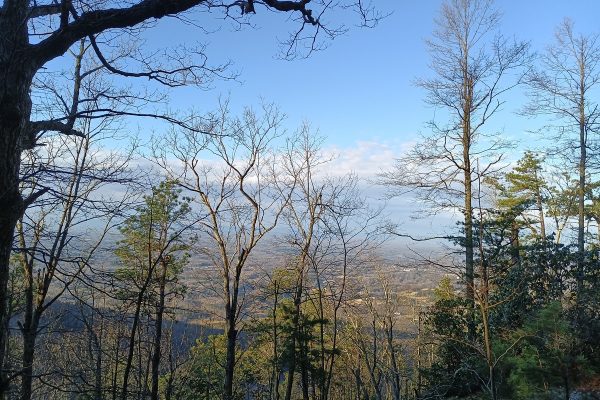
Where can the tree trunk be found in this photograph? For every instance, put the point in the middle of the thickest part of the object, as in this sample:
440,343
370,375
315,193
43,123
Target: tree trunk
275,374
468,188
304,369
172,367
514,244
332,358
158,332
582,187
15,109
115,372
492,382
29,331
98,371
230,360
396,385
540,207
372,368
231,331
469,257
29,339
131,346
484,306
296,331
291,372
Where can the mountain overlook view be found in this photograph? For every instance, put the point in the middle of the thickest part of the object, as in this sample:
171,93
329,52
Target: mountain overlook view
299,200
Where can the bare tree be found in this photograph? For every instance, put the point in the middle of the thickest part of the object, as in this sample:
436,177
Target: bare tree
236,196
330,229
32,34
305,208
51,250
375,327
473,66
564,88
54,245
366,337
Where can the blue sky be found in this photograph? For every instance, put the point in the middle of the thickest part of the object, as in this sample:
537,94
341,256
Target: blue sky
360,91
361,87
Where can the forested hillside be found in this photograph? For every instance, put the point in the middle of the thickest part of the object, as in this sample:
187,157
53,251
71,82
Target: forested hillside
152,251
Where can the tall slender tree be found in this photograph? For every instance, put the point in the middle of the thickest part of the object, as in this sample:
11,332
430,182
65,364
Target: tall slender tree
237,199
564,87
330,228
152,252
473,67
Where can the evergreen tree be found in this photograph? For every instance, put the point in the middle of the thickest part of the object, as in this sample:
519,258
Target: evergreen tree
547,358
525,190
152,253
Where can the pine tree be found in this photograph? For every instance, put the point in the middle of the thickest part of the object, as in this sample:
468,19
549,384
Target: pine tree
524,191
153,253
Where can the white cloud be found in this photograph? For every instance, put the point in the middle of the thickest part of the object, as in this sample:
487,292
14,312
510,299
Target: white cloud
365,158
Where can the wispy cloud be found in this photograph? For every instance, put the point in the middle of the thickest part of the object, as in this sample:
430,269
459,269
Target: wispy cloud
366,159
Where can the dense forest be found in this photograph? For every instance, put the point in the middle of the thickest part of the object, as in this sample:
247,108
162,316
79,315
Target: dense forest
228,257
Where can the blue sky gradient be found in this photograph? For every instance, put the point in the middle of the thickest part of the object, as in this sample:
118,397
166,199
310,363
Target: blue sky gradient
359,92
361,88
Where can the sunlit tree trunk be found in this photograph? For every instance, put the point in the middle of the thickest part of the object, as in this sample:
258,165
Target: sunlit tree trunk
582,188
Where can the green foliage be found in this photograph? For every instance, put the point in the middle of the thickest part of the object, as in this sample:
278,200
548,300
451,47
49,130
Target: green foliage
587,316
521,191
445,290
523,184
454,373
547,356
305,348
540,277
152,238
203,375
543,327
